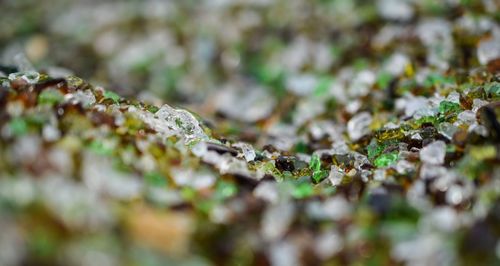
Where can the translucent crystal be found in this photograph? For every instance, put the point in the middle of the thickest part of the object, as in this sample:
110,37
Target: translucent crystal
478,103
433,153
336,175
466,117
30,77
168,121
386,159
226,163
182,122
446,107
447,129
315,163
85,97
247,149
231,165
111,96
359,125
493,88
404,166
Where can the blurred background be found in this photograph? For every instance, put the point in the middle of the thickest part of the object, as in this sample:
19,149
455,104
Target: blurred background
223,56
294,76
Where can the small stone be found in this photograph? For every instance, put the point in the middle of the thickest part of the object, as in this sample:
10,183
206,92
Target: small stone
319,175
85,97
447,129
386,159
247,150
31,77
446,107
336,175
285,163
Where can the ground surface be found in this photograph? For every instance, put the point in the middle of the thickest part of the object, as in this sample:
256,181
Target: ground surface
259,133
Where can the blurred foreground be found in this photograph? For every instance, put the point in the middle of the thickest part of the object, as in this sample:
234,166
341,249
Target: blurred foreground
318,132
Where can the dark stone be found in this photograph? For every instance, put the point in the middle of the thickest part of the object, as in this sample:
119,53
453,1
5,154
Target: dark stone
285,163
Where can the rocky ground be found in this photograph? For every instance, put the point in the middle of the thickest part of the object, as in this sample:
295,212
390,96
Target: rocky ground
250,133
